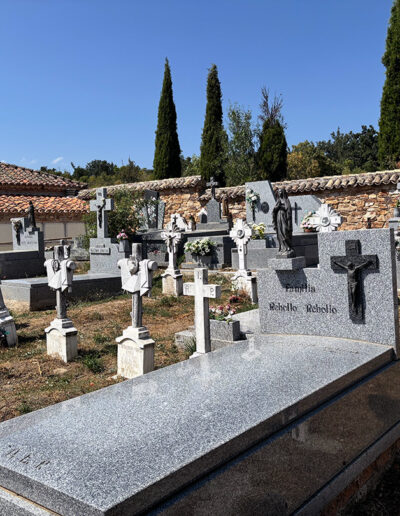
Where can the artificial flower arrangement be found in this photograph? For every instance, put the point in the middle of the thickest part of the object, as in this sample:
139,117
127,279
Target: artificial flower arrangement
258,231
122,235
306,223
222,313
201,246
252,198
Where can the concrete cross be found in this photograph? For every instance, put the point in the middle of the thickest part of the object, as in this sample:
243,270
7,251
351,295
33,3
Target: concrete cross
172,237
101,205
326,219
241,233
202,292
354,263
136,277
212,184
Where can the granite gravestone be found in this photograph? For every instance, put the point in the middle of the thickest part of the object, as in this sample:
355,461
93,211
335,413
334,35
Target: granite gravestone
352,294
27,258
152,212
202,292
172,279
61,335
104,251
243,279
262,210
212,225
135,347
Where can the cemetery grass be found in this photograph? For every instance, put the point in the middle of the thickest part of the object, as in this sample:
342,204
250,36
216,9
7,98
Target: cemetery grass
30,380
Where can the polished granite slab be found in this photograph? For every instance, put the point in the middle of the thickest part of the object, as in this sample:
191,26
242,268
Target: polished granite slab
124,448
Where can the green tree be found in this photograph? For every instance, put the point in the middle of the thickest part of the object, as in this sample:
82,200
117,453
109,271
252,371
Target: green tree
353,152
389,123
307,160
167,161
240,166
191,166
271,157
272,153
213,140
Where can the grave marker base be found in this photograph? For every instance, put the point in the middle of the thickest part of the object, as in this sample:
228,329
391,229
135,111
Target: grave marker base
62,339
135,352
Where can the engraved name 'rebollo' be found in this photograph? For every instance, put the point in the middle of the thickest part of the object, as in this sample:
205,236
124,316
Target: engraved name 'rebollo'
278,307
325,309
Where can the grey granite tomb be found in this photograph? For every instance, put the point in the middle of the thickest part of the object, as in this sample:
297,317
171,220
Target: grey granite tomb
315,301
27,257
257,415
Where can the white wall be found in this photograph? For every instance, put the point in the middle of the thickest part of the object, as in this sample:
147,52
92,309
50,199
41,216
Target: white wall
52,230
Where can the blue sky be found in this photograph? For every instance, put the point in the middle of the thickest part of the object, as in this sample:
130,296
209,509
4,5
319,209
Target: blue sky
81,79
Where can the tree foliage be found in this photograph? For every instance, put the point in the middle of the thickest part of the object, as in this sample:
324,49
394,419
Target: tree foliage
214,140
102,173
353,152
389,123
272,153
191,165
240,166
307,160
167,161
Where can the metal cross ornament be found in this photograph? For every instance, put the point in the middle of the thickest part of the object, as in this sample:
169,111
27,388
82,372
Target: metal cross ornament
212,184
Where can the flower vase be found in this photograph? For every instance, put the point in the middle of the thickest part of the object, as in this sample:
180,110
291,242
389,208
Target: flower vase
124,246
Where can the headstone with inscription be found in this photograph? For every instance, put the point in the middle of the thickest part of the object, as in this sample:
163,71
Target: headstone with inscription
104,250
27,257
351,294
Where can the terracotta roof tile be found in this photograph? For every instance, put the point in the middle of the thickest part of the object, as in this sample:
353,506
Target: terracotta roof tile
17,205
12,176
158,185
296,186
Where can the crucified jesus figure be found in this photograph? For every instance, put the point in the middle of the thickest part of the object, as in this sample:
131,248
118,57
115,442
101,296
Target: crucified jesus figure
353,280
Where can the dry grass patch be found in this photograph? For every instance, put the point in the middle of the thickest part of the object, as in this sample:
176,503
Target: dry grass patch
30,380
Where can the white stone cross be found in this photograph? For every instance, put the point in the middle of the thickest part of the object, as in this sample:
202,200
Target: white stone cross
172,237
326,219
136,277
241,233
101,205
202,292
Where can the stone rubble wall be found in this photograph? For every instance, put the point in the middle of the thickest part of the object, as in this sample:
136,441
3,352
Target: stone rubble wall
355,205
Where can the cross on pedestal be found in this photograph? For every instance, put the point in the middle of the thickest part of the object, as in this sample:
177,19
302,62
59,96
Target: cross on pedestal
212,184
102,205
202,293
172,238
296,208
354,263
241,233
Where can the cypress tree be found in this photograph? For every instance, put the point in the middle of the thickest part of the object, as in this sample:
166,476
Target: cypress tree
167,161
213,140
272,152
389,123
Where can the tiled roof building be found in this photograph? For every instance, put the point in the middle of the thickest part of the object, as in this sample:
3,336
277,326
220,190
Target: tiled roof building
58,209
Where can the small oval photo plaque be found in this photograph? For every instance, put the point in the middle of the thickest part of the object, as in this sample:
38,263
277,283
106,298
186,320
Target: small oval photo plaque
264,207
